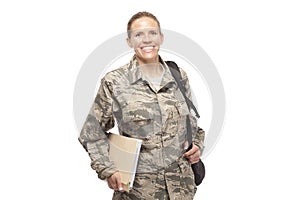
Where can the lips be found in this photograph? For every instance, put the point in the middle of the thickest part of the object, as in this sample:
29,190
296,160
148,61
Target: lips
147,48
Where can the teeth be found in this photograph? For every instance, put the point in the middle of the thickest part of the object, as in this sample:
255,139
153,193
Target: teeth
147,48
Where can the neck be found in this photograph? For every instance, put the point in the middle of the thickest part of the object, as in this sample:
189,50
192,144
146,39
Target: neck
152,69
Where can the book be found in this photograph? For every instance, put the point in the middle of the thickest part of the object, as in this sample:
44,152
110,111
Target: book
124,153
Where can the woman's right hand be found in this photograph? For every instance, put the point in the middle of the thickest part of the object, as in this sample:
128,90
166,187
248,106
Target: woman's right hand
114,182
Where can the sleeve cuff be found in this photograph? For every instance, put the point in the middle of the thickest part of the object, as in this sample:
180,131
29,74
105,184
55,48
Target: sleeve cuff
106,173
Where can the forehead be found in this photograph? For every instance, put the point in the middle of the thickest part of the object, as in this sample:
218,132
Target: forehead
144,23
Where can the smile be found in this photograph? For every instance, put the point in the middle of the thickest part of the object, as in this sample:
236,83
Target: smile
147,48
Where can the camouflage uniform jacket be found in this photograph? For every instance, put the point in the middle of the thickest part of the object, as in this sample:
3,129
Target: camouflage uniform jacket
155,115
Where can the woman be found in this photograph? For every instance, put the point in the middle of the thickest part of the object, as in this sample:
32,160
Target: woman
144,99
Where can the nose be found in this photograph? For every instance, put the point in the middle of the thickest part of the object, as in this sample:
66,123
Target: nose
146,38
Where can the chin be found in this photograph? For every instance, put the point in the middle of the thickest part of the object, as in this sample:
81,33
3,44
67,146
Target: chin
148,57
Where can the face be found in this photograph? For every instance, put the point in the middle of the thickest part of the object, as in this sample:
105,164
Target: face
145,38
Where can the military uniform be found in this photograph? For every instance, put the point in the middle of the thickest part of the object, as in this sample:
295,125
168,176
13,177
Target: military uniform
155,115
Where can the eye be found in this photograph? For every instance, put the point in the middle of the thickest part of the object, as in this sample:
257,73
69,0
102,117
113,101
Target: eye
153,33
138,35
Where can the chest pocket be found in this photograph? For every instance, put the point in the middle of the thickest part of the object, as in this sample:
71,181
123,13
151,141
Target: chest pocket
175,117
172,120
138,109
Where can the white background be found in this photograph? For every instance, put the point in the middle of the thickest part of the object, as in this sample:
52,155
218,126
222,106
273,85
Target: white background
254,45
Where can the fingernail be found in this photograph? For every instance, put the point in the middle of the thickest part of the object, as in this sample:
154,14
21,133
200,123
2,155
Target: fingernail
121,189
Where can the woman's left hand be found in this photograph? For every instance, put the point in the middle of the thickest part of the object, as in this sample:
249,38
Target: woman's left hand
193,155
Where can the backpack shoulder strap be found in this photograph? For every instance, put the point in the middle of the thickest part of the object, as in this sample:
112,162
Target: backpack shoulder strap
177,76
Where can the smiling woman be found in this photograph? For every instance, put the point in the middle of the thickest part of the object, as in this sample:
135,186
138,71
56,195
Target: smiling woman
145,37
143,98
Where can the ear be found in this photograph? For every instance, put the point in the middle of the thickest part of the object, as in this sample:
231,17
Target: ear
129,42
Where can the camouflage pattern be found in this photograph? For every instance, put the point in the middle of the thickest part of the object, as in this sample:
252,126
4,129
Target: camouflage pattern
175,183
157,116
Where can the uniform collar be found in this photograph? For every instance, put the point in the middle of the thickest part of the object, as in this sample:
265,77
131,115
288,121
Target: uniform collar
136,74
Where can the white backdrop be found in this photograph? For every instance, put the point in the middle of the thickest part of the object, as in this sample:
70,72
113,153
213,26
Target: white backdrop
254,45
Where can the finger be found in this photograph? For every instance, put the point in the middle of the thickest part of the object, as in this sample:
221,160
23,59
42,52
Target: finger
197,154
194,161
194,157
112,182
111,185
189,153
119,184
193,150
109,182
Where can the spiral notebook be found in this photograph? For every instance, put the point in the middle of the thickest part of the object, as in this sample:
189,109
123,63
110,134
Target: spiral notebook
124,152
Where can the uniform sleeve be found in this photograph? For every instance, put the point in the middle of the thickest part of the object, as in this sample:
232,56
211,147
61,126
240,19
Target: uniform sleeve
93,135
199,134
